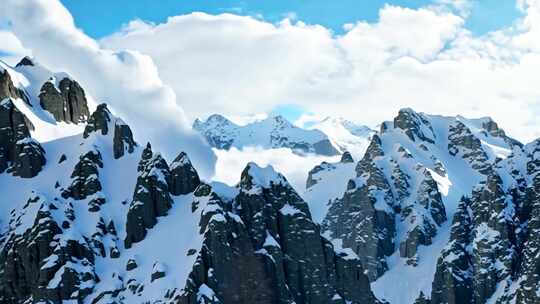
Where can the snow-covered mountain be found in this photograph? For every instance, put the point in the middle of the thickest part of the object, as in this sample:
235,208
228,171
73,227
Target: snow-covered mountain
270,133
330,136
437,210
345,134
95,217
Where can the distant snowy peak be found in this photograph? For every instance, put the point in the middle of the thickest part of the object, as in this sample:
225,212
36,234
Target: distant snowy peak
345,134
269,133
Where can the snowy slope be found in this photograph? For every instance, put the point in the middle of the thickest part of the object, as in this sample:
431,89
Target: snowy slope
29,76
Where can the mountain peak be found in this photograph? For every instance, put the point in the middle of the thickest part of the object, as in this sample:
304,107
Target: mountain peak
26,61
265,177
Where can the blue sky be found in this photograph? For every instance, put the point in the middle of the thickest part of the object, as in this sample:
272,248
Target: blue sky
99,18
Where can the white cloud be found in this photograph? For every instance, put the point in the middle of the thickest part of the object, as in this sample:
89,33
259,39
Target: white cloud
295,168
127,80
11,47
420,58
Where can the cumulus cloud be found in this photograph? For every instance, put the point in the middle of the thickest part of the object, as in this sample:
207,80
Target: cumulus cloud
11,49
421,58
126,79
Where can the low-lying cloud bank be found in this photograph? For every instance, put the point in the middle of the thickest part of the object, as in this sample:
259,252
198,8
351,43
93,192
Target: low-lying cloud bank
294,167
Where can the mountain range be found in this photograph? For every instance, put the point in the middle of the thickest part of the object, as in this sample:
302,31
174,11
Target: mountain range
428,209
329,137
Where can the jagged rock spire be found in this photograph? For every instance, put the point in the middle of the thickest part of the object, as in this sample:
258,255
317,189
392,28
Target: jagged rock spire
123,139
184,177
151,198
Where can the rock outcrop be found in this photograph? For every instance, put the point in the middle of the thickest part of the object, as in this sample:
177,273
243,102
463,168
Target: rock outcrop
7,89
269,239
184,177
123,139
19,153
151,198
65,100
38,262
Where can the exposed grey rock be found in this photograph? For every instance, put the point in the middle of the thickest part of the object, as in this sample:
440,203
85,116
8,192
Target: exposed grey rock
529,272
151,198
158,272
123,139
8,90
30,258
346,157
19,153
275,249
184,177
415,125
85,176
461,142
453,282
67,102
26,61
131,264
98,121
360,220
423,217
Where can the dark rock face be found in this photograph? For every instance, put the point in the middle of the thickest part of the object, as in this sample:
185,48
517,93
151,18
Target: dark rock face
493,129
26,61
276,251
415,125
494,248
423,222
98,121
8,90
85,181
101,121
66,103
36,267
123,139
530,266
360,220
184,177
151,198
346,157
461,142
454,275
19,153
